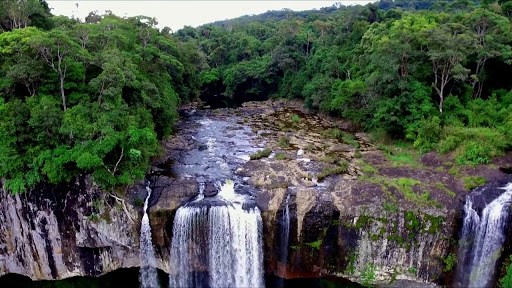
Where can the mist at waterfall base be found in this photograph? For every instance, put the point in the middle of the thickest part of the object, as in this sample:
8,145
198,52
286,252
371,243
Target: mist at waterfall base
148,273
482,236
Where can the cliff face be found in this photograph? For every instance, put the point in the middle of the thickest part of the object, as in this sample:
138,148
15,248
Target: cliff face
344,230
55,234
60,232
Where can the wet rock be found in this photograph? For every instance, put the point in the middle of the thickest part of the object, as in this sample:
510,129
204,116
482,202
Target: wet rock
174,193
506,169
202,147
210,189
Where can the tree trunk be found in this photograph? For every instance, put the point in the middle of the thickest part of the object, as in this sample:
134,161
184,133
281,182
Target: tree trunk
62,92
441,100
62,76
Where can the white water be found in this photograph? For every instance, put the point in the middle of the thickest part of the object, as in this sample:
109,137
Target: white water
285,231
148,276
482,239
217,246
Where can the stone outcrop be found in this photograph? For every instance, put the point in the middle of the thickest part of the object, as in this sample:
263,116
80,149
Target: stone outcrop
342,230
60,232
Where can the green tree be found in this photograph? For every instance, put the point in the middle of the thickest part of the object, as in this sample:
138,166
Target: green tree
20,64
59,51
16,14
448,47
493,33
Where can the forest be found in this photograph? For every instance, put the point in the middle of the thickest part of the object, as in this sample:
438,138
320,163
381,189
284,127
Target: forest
97,96
92,98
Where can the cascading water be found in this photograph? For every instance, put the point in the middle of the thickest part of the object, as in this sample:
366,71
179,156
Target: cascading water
482,239
285,231
217,242
284,235
148,276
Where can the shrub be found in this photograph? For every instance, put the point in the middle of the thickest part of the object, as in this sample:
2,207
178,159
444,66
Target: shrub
473,153
295,118
334,133
368,169
400,154
428,134
260,154
368,275
349,139
471,182
448,144
473,145
315,244
340,169
281,156
284,142
449,262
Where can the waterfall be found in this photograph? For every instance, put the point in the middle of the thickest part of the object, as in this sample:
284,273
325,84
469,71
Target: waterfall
217,243
284,235
482,239
285,231
148,276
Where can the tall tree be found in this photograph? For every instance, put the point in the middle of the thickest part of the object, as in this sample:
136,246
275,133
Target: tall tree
448,47
15,14
493,34
23,67
58,50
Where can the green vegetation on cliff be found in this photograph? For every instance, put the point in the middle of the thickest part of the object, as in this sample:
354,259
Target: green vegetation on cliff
86,98
506,281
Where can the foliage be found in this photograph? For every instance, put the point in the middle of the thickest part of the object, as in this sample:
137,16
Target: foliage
412,270
315,244
428,133
336,133
472,182
96,97
506,281
368,275
416,70
281,156
406,186
284,142
400,153
341,168
449,262
89,98
261,154
368,169
473,145
295,118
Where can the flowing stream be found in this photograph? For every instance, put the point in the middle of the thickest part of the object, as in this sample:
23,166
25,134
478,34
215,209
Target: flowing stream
148,276
217,242
482,239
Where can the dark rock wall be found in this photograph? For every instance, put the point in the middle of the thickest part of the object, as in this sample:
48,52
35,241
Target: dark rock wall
55,232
